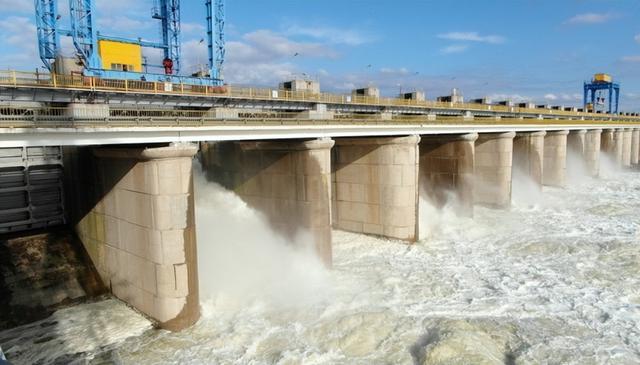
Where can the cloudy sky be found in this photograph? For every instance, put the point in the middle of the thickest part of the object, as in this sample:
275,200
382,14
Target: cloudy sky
539,50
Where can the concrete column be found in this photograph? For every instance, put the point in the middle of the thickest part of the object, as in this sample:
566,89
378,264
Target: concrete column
635,146
446,165
626,146
134,212
576,141
592,152
528,154
288,181
576,158
618,146
611,144
376,186
555,159
493,165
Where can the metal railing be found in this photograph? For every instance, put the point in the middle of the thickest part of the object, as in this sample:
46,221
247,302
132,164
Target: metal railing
52,81
113,117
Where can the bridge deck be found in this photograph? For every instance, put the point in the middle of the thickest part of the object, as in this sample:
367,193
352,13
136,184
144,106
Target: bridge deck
21,86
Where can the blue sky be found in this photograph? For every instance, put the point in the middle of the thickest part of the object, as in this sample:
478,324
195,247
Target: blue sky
537,50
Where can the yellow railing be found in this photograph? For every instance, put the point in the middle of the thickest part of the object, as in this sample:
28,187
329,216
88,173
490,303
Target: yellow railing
41,80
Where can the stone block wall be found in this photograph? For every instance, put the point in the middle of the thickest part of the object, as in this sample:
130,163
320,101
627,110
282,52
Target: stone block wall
447,166
288,181
528,155
375,183
493,165
133,210
635,146
592,145
555,159
627,135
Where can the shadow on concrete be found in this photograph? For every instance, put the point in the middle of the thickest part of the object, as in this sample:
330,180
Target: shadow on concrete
265,176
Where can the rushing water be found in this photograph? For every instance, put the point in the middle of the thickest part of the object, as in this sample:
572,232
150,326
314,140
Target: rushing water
555,280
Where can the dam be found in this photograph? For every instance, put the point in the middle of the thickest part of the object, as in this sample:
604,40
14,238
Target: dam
129,195
319,183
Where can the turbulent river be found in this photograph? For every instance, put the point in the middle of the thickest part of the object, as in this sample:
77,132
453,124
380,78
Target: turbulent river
554,280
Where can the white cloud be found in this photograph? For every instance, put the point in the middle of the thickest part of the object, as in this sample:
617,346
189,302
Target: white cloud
394,71
472,37
194,28
266,43
516,98
633,59
551,97
637,38
17,6
124,25
330,34
591,18
20,33
454,48
261,57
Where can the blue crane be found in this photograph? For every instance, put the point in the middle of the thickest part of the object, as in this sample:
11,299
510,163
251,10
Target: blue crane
216,39
86,40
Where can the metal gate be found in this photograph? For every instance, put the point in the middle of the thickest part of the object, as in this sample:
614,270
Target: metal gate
31,188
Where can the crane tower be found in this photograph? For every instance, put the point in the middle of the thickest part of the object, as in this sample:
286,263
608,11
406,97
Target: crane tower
121,58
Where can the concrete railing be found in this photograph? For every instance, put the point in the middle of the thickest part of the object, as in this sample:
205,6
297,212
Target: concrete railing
27,117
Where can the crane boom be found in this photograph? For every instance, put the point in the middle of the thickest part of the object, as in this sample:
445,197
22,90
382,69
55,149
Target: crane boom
46,26
83,32
168,12
216,38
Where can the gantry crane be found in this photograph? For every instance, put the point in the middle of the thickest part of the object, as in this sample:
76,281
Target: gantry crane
121,58
606,90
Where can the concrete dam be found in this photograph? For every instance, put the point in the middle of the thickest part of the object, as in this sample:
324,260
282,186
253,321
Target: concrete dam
119,171
133,206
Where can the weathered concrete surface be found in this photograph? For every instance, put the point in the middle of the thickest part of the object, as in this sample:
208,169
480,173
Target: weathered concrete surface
134,212
611,144
555,159
635,146
41,273
626,146
376,186
576,157
493,167
592,145
446,166
289,181
528,155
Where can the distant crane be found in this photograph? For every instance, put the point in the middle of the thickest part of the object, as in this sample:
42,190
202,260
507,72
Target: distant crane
594,90
121,58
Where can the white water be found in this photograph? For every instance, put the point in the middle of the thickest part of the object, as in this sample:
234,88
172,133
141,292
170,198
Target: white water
553,281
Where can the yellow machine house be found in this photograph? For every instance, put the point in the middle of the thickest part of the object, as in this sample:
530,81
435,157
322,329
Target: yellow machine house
120,56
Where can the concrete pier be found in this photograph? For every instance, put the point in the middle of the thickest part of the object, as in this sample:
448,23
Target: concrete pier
376,186
446,166
618,146
611,144
555,159
494,159
528,155
576,158
635,146
626,147
592,152
133,209
288,181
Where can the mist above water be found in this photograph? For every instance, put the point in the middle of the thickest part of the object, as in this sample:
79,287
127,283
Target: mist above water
241,259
